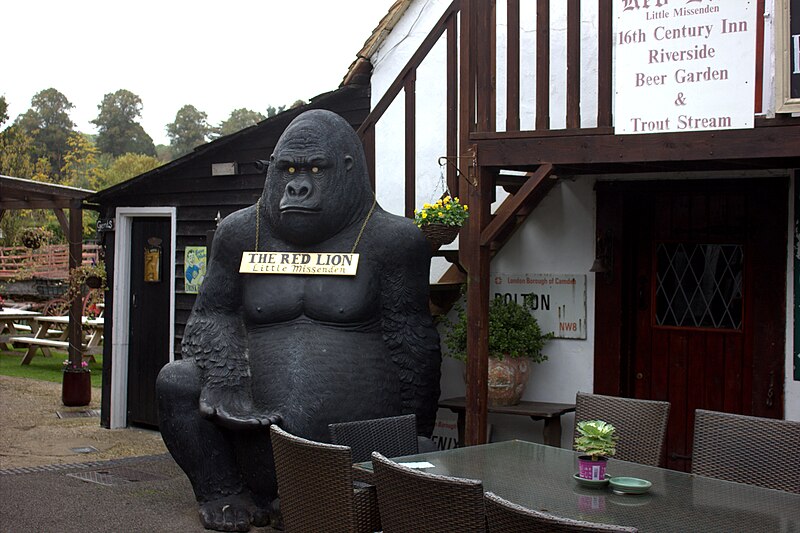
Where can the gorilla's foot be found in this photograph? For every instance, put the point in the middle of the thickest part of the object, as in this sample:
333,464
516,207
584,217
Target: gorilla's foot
231,513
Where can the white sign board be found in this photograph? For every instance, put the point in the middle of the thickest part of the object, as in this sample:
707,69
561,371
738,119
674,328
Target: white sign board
558,301
684,65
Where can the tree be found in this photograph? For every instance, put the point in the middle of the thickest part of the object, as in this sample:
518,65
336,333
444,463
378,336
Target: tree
48,122
3,110
118,130
81,165
18,159
239,120
190,129
128,166
272,111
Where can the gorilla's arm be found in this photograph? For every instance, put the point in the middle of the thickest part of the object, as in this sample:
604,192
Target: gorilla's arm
409,331
215,337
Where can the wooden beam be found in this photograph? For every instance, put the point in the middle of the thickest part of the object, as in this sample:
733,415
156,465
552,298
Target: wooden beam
75,334
543,64
452,101
479,197
35,204
510,208
422,52
605,68
512,62
409,87
573,64
507,151
62,220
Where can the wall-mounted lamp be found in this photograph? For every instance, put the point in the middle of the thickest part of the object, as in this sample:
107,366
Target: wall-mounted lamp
604,256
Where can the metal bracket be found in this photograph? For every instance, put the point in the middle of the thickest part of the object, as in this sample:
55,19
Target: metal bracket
472,165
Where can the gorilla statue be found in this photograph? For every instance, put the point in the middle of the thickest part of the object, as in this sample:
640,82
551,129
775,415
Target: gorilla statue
298,350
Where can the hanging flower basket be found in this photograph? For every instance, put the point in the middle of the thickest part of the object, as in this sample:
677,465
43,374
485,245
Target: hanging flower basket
440,234
441,222
34,238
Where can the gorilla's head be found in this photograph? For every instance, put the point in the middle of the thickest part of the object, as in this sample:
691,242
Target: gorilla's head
317,182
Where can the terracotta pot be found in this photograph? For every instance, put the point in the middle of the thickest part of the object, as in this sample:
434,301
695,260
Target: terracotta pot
507,379
589,469
76,388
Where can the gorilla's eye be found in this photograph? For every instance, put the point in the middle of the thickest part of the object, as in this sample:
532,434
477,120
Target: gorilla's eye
290,170
315,170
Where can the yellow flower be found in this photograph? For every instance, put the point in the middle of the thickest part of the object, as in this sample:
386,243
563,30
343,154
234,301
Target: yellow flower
426,206
448,207
466,207
424,214
441,214
447,199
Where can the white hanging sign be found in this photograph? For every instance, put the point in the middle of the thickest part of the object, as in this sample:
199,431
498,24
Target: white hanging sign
309,263
684,65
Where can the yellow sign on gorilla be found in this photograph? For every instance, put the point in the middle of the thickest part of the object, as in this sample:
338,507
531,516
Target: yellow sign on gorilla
309,263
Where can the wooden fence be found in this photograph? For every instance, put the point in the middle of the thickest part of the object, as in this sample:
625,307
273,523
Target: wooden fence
47,262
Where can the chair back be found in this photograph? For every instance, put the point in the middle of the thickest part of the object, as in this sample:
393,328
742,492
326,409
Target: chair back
641,424
315,486
502,516
411,500
746,449
392,436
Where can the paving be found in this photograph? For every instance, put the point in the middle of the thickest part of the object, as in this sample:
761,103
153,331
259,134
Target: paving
133,494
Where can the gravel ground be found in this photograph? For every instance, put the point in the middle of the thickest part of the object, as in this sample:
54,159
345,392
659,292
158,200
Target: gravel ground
32,434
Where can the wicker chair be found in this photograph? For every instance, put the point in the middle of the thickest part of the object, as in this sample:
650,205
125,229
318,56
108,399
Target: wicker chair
502,516
641,424
411,500
316,489
746,449
391,436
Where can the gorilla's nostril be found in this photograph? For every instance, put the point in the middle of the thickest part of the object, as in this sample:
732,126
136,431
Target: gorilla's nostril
303,191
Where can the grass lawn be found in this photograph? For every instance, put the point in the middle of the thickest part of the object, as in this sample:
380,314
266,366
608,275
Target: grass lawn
44,368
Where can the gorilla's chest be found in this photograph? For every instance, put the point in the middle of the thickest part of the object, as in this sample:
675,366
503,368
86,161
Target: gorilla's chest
336,300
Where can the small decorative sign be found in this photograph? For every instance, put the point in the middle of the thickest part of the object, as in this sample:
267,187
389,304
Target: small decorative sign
308,263
194,268
152,260
105,224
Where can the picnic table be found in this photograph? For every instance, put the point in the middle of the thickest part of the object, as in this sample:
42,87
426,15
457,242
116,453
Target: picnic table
9,324
42,338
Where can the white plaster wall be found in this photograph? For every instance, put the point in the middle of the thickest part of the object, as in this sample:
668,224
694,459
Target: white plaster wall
558,236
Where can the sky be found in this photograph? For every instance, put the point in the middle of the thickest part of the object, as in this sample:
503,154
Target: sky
216,56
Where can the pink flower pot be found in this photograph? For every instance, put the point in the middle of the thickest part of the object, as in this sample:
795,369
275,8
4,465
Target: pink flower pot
594,470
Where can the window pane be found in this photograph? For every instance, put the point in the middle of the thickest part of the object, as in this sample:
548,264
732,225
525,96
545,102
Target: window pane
699,285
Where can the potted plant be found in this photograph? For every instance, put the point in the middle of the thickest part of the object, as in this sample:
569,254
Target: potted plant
597,440
515,341
93,276
76,386
441,221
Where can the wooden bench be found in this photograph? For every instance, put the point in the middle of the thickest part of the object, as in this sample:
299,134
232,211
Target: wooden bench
41,341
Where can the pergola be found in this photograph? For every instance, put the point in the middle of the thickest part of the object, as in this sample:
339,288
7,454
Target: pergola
18,193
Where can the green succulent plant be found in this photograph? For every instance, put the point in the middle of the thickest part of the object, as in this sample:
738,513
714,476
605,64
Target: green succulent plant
596,439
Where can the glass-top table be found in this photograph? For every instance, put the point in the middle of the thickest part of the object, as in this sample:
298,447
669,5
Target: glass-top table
541,477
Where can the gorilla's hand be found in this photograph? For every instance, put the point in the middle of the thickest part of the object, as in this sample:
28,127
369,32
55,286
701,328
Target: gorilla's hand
233,410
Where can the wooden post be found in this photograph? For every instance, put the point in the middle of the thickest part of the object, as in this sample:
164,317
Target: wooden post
75,258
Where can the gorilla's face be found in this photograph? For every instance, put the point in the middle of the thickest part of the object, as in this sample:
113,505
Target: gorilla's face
312,190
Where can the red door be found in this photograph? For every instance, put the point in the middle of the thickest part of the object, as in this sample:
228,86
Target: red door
703,287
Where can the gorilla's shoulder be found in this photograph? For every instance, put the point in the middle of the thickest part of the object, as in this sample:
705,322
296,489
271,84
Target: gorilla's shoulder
236,227
393,231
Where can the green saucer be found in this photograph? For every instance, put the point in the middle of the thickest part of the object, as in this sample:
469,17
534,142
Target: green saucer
591,483
629,485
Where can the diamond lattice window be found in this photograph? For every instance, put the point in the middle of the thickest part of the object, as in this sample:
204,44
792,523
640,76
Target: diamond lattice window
699,285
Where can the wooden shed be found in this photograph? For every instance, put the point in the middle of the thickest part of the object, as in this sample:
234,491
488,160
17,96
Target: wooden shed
146,225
